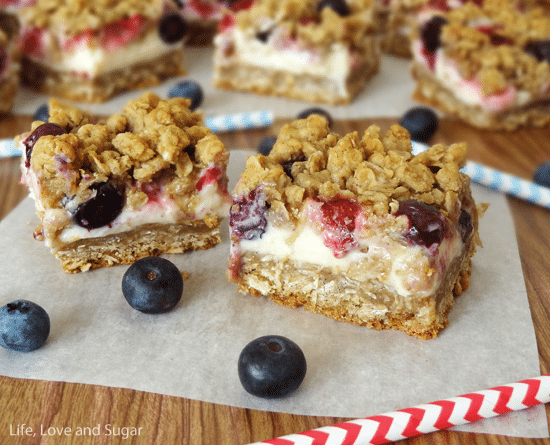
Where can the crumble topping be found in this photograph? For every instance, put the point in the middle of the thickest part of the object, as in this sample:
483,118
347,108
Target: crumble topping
301,20
378,170
150,139
488,42
75,16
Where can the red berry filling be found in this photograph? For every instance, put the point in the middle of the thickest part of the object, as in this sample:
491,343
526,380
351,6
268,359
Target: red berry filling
121,32
337,218
209,176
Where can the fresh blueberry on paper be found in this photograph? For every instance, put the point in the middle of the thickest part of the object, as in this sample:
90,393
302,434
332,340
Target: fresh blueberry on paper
24,326
319,111
172,28
542,175
266,144
42,113
190,90
271,366
421,122
152,285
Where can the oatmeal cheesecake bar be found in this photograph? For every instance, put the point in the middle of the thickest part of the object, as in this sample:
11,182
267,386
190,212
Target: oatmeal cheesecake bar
310,50
480,64
355,228
90,51
146,181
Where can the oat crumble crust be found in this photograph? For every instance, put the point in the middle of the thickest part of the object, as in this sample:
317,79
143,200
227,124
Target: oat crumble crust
499,66
75,16
148,137
330,27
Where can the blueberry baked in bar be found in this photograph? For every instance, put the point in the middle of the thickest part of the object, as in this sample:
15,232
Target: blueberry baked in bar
146,181
355,228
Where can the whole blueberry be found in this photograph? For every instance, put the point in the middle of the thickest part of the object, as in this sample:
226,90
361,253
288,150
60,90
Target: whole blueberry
271,366
42,113
24,326
266,144
539,49
542,174
49,128
421,122
152,285
319,111
190,90
427,225
172,28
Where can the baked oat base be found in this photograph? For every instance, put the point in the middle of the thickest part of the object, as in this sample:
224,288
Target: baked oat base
431,92
100,89
264,81
370,304
128,247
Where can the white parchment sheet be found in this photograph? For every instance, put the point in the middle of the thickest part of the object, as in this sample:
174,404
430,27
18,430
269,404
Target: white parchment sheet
192,352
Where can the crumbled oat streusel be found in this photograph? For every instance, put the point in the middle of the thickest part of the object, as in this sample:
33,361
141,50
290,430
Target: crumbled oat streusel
377,169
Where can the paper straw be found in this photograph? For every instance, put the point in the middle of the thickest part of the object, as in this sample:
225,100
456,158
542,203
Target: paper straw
7,149
426,418
240,121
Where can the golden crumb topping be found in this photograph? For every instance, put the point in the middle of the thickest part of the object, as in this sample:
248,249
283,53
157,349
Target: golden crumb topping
75,16
301,19
150,138
378,170
490,43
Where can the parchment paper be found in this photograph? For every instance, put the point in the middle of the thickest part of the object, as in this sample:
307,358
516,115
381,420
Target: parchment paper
192,352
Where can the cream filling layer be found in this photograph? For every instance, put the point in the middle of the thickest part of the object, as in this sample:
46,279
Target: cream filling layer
95,61
411,270
284,54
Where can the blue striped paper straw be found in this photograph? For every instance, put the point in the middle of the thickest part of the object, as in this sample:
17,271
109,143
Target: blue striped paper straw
500,181
240,121
7,149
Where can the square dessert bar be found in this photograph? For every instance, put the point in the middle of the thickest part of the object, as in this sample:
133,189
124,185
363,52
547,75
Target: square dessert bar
487,65
91,51
357,229
146,181
316,51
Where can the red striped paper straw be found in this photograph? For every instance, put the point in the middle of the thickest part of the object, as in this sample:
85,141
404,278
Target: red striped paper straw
426,418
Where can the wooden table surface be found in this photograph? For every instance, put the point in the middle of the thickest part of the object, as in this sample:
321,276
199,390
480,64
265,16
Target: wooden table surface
166,420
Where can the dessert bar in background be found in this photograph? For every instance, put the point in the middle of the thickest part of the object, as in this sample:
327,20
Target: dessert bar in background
310,50
487,65
90,51
355,227
9,61
146,181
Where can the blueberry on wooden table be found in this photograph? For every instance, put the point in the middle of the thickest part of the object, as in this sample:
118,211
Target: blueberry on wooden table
542,175
190,90
266,144
152,285
42,113
24,326
421,122
319,111
271,366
